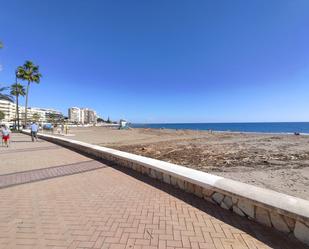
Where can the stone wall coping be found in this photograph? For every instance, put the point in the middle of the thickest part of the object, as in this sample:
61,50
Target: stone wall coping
281,203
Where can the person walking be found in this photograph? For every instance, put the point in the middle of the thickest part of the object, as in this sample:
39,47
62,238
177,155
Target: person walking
5,132
34,131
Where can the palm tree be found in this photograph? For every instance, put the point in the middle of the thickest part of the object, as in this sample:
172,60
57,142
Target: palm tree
30,73
4,96
17,90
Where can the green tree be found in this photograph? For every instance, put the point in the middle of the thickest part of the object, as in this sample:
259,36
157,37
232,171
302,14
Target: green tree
30,73
17,90
53,118
2,115
36,117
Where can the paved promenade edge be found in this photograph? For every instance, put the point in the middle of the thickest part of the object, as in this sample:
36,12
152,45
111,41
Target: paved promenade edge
285,213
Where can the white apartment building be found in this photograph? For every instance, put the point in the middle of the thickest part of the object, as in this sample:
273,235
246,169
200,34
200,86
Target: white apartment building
74,114
82,115
9,109
88,116
44,113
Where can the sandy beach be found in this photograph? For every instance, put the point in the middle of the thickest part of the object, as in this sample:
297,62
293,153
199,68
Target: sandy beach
274,161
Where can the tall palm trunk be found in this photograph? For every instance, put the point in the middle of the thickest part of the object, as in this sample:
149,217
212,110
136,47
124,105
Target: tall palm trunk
17,108
15,120
17,111
26,105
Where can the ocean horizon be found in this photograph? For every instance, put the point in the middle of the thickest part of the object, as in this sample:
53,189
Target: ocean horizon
259,127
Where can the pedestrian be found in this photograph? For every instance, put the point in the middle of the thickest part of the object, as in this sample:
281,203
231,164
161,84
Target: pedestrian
5,132
34,131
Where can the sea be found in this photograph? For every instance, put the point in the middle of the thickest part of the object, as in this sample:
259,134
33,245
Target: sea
271,127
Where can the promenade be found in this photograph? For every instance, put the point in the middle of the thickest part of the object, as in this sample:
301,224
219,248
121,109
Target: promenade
52,197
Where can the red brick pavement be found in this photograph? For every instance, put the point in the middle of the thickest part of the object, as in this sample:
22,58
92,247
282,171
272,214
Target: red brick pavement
115,208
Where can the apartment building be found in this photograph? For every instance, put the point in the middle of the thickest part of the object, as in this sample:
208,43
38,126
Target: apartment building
74,114
45,114
9,110
82,115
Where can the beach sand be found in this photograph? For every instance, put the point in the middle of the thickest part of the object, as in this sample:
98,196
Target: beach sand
274,161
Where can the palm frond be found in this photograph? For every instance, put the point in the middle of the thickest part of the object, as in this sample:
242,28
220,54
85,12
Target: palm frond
17,90
29,72
4,96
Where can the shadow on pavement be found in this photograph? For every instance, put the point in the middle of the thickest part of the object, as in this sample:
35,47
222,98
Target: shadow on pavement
26,141
11,151
35,175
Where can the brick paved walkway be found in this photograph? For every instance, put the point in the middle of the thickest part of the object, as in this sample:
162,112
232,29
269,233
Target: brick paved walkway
24,155
12,179
114,208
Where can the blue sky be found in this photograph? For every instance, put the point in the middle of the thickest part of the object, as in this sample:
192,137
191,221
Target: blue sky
164,61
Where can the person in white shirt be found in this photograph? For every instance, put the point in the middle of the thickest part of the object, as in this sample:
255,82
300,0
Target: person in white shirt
34,131
5,132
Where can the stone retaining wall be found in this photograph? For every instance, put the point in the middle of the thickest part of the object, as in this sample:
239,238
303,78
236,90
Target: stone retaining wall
285,213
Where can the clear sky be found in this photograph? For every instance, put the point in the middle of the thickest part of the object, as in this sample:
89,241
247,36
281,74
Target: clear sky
163,60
